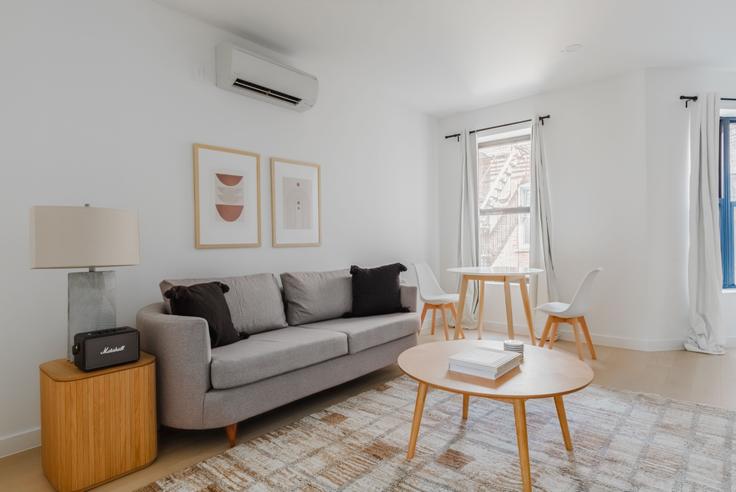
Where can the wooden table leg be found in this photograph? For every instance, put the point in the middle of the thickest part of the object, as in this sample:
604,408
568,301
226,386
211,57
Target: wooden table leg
466,404
527,309
481,305
523,445
509,313
563,422
459,333
418,409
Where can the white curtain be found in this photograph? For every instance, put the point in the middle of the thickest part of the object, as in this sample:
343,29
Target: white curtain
705,277
543,287
468,249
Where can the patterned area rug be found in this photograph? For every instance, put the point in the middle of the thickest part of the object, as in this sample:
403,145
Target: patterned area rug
622,441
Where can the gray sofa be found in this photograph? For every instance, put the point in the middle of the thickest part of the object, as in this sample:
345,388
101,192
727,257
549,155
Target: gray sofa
299,344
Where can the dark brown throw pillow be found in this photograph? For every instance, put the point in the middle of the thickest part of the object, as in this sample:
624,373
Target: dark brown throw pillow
376,290
206,301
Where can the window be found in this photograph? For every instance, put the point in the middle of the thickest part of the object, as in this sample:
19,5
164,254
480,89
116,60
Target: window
504,195
728,195
525,195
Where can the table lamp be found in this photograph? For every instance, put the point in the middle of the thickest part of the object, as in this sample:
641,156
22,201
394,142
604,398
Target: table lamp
85,237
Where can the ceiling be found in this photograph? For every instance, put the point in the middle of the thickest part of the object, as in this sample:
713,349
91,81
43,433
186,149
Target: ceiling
444,56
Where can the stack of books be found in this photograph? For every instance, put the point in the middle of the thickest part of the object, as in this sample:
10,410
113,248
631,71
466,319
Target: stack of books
514,346
484,362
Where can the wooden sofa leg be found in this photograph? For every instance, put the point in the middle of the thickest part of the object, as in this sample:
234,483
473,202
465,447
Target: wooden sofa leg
231,431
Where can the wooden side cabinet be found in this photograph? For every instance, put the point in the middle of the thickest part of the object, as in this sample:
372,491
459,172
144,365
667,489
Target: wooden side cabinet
97,426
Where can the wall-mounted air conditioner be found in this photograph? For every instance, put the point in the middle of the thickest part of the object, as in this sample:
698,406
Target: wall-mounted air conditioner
255,76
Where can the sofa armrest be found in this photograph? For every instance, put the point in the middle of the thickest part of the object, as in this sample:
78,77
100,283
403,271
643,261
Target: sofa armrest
409,297
181,345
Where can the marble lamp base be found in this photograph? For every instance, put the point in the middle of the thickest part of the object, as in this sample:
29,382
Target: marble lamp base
91,304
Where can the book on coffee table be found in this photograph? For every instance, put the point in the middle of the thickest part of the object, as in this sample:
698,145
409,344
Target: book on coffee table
484,362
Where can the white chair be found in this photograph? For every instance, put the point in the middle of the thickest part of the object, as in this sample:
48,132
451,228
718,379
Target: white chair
573,314
434,297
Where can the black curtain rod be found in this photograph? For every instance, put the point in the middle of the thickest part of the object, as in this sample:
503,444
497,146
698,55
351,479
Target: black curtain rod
689,99
457,135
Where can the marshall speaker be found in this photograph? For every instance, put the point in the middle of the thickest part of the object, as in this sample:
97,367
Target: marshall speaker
104,348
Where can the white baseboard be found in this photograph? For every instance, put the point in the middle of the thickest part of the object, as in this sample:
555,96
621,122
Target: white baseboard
20,441
644,345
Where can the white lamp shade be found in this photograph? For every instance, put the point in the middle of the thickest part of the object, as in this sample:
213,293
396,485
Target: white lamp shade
82,237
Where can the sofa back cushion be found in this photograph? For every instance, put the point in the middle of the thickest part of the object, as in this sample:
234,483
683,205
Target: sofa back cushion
254,300
206,301
316,296
377,290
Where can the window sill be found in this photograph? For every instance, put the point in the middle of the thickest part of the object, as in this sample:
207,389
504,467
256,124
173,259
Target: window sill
730,290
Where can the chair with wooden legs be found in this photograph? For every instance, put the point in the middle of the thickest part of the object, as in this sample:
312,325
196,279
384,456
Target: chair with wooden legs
434,298
573,314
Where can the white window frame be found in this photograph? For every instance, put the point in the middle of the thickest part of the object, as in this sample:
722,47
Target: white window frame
524,242
499,138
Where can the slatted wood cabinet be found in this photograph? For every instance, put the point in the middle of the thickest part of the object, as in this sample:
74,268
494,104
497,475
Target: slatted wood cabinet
97,426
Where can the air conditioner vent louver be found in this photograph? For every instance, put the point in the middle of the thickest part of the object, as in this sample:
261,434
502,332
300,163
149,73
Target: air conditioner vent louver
244,84
266,80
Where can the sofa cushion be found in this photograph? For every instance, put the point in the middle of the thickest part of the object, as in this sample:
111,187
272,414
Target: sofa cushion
370,331
316,296
272,353
376,290
206,301
254,300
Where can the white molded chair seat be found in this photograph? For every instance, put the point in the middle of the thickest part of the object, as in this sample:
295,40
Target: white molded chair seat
445,299
560,309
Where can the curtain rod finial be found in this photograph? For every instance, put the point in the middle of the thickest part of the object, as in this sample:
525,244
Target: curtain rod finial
688,99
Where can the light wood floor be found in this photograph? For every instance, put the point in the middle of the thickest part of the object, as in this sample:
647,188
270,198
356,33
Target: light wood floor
676,374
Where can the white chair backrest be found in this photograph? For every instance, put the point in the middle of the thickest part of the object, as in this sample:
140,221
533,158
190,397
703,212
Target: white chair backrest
581,301
428,285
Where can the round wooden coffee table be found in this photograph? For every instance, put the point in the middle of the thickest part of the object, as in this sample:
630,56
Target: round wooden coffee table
543,374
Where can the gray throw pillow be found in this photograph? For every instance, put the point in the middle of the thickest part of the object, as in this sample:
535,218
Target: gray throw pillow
255,301
316,296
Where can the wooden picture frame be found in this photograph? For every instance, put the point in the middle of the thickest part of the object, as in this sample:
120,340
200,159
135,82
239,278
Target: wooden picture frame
226,180
295,221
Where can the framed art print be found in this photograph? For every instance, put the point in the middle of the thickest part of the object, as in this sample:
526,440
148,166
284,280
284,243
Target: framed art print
295,203
227,198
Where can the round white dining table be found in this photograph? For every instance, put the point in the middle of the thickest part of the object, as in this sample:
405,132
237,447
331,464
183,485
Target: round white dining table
507,275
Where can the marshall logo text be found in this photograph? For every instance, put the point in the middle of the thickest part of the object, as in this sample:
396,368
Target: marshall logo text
108,350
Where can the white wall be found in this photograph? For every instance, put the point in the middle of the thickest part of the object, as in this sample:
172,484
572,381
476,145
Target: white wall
617,154
668,175
101,102
595,148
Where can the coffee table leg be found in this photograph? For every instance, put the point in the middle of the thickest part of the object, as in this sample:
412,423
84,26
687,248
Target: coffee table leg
466,404
523,444
418,409
563,422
